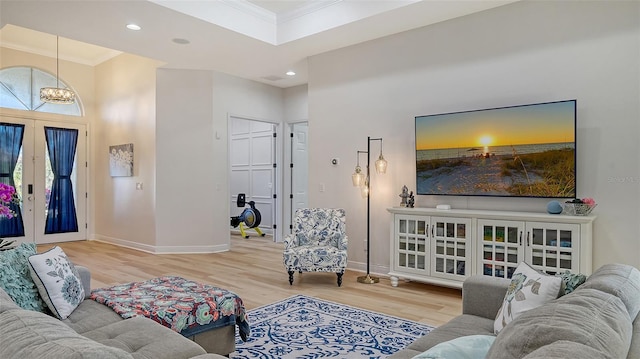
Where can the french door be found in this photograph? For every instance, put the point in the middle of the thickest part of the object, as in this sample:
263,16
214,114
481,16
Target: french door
46,162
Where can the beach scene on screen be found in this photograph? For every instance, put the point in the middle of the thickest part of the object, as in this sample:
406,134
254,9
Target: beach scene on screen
524,151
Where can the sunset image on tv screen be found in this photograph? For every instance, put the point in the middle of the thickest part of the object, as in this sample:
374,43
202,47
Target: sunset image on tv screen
524,151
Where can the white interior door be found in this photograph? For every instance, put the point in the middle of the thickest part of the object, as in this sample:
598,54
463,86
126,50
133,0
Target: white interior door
35,180
300,169
252,157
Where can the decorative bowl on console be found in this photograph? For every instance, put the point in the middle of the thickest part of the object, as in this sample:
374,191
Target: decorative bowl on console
578,209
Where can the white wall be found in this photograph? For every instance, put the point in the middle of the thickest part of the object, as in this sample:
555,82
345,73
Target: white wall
521,53
296,104
186,197
125,89
192,208
245,99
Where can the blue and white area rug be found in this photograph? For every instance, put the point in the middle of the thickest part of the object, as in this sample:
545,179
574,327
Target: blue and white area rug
305,327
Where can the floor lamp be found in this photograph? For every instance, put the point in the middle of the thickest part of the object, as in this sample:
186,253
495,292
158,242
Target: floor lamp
359,180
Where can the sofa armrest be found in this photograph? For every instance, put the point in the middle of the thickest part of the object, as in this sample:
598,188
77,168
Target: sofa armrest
85,277
483,295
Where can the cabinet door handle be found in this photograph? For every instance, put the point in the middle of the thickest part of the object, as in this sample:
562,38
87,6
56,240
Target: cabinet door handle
520,237
427,231
528,238
432,233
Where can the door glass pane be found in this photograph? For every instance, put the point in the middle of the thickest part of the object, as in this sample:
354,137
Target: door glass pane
552,257
488,233
462,230
488,252
450,230
537,236
512,235
565,239
412,227
439,246
461,249
499,234
552,237
450,248
61,146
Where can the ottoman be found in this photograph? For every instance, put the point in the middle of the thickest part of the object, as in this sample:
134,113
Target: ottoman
198,311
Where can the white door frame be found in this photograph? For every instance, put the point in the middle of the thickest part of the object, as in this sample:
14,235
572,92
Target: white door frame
288,160
278,187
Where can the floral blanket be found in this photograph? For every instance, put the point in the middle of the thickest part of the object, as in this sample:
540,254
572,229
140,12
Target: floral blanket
186,307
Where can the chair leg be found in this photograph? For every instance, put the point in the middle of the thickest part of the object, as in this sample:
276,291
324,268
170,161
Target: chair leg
339,279
291,277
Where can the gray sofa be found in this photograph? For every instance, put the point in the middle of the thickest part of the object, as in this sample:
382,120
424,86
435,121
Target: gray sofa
598,320
95,331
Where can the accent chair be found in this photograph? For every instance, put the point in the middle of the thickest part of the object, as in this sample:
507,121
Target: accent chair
318,242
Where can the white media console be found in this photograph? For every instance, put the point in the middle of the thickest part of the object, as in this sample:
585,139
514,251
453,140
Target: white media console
444,247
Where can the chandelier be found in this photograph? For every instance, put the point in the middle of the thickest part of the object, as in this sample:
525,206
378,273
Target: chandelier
56,94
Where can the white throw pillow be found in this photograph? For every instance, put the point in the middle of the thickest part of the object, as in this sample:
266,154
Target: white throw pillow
467,347
57,280
529,289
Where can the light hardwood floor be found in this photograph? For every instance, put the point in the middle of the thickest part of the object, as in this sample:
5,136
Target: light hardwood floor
253,270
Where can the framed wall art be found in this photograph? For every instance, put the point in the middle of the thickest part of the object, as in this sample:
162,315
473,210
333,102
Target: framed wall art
121,160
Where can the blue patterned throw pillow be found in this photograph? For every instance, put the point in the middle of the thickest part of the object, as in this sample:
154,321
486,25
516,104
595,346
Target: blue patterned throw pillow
571,281
16,280
57,280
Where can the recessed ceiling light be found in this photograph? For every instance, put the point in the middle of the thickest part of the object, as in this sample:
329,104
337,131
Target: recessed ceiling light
291,73
181,41
133,27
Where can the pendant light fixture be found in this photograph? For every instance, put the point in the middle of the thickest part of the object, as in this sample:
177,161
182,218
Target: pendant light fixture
56,94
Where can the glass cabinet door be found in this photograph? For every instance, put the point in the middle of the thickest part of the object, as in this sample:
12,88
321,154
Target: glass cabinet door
411,239
451,247
553,247
501,248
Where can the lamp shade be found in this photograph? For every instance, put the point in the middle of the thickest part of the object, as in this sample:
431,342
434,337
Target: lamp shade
364,190
381,165
357,177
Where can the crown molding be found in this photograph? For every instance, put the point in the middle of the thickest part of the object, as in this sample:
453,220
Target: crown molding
304,10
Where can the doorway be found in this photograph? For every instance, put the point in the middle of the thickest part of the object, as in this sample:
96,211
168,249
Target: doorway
46,162
252,159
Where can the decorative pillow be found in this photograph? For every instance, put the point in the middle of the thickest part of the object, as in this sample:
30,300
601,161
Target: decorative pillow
57,280
468,347
571,281
529,289
16,280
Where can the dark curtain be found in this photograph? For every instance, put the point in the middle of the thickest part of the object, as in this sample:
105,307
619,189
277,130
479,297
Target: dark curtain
10,144
61,214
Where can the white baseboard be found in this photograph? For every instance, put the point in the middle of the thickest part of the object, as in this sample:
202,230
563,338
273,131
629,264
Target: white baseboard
162,249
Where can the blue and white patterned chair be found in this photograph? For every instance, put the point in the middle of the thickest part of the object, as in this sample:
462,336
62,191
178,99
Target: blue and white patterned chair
318,242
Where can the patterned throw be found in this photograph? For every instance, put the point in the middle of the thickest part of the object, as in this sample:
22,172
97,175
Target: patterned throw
306,327
186,307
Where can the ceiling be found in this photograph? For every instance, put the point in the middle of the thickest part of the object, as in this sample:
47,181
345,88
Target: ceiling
254,39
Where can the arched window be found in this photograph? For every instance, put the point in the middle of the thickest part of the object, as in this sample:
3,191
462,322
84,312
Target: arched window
20,90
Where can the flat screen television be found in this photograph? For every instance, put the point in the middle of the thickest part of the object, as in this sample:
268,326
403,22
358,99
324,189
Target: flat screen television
517,151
